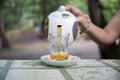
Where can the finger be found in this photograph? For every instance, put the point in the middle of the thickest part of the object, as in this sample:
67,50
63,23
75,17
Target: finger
74,10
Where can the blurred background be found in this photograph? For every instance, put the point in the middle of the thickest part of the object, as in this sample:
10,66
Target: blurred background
22,28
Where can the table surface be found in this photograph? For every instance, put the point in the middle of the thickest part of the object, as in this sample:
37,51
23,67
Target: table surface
37,70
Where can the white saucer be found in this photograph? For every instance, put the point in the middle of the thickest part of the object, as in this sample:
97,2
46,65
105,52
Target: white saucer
70,62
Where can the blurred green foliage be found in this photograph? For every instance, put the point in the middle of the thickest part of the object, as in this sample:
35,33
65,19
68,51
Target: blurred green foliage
29,13
110,7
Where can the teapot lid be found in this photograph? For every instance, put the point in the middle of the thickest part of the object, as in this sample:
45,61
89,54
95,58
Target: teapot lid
61,13
61,8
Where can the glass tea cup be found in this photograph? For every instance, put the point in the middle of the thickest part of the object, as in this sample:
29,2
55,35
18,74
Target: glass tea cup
59,46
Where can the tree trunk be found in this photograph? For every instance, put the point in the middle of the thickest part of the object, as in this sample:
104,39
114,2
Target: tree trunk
119,2
45,8
45,13
96,14
4,41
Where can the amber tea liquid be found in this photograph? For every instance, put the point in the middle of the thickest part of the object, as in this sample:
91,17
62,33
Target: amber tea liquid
59,56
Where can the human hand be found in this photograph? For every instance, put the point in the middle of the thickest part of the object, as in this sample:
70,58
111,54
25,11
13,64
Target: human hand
82,19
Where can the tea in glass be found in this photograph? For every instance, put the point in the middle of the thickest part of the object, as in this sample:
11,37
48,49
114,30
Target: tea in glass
59,44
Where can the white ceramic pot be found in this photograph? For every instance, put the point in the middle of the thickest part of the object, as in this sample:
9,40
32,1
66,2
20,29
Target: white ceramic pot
64,18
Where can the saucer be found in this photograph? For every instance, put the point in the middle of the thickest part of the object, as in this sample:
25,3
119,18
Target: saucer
72,60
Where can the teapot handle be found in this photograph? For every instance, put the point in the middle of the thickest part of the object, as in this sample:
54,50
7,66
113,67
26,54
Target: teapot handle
46,27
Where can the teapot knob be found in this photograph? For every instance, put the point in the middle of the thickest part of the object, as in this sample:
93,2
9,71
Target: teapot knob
62,8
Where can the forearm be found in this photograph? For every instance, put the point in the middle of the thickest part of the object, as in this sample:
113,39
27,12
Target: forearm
100,36
105,36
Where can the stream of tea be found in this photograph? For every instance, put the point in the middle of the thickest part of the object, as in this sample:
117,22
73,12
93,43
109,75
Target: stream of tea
60,55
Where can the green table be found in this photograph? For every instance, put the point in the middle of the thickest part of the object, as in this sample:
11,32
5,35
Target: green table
37,70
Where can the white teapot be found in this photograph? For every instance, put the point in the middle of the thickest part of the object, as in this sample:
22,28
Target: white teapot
64,18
